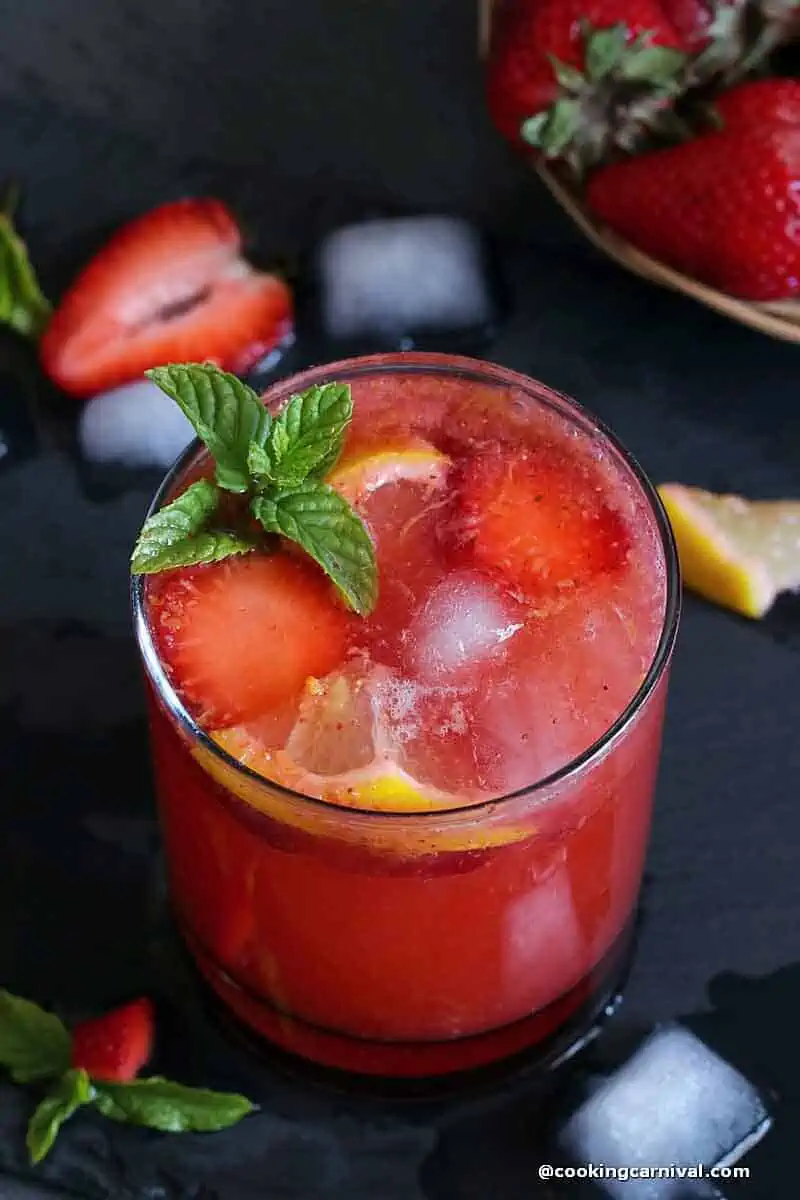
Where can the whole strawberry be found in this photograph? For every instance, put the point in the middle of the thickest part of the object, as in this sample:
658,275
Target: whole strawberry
571,76
723,207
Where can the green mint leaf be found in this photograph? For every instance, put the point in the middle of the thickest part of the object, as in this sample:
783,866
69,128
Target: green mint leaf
34,1044
210,546
171,1107
307,434
225,414
279,440
23,306
259,463
317,518
72,1090
176,535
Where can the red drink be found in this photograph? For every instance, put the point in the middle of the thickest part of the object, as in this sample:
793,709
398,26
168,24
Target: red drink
429,857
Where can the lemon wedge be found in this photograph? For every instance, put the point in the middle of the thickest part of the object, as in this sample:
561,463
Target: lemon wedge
364,471
739,553
332,731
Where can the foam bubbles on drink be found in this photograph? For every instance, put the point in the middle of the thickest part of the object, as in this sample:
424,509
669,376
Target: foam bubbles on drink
136,425
676,1101
465,623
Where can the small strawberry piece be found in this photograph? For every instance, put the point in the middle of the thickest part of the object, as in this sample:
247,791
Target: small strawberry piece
114,1048
723,207
243,635
542,61
170,286
535,520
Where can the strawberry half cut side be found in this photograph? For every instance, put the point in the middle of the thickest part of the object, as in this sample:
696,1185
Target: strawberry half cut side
536,522
171,286
113,1048
241,636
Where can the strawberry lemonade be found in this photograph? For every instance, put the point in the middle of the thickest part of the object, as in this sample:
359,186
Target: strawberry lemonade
406,699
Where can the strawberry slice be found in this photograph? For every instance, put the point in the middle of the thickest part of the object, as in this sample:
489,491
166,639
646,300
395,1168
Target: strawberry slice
114,1048
243,635
537,520
171,286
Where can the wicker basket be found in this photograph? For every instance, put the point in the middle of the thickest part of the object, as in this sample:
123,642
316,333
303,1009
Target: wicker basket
778,318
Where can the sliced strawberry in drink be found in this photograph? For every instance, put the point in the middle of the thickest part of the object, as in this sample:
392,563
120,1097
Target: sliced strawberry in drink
171,286
243,635
113,1048
536,519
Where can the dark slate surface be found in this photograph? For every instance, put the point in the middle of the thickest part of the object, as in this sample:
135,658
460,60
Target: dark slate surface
303,114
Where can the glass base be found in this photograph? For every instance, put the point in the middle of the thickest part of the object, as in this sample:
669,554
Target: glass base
535,1045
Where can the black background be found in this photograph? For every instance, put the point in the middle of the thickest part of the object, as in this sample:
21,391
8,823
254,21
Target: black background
300,114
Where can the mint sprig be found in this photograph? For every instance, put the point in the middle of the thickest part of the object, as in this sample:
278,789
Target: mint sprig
36,1047
277,466
23,305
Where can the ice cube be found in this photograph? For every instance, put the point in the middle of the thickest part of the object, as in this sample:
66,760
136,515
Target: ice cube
676,1101
404,274
527,726
136,425
464,623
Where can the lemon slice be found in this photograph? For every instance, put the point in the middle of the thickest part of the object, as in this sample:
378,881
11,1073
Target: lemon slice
337,726
339,750
739,553
364,471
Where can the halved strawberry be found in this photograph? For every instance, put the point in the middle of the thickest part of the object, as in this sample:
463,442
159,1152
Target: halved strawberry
537,520
114,1048
171,286
242,635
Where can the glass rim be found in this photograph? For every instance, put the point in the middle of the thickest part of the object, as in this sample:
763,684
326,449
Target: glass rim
483,371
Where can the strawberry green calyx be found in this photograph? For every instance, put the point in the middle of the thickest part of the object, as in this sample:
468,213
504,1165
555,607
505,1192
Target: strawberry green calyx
616,102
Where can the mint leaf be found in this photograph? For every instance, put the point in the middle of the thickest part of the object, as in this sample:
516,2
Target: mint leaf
321,521
171,1107
22,303
279,440
213,545
307,435
175,536
225,414
259,463
72,1090
34,1044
